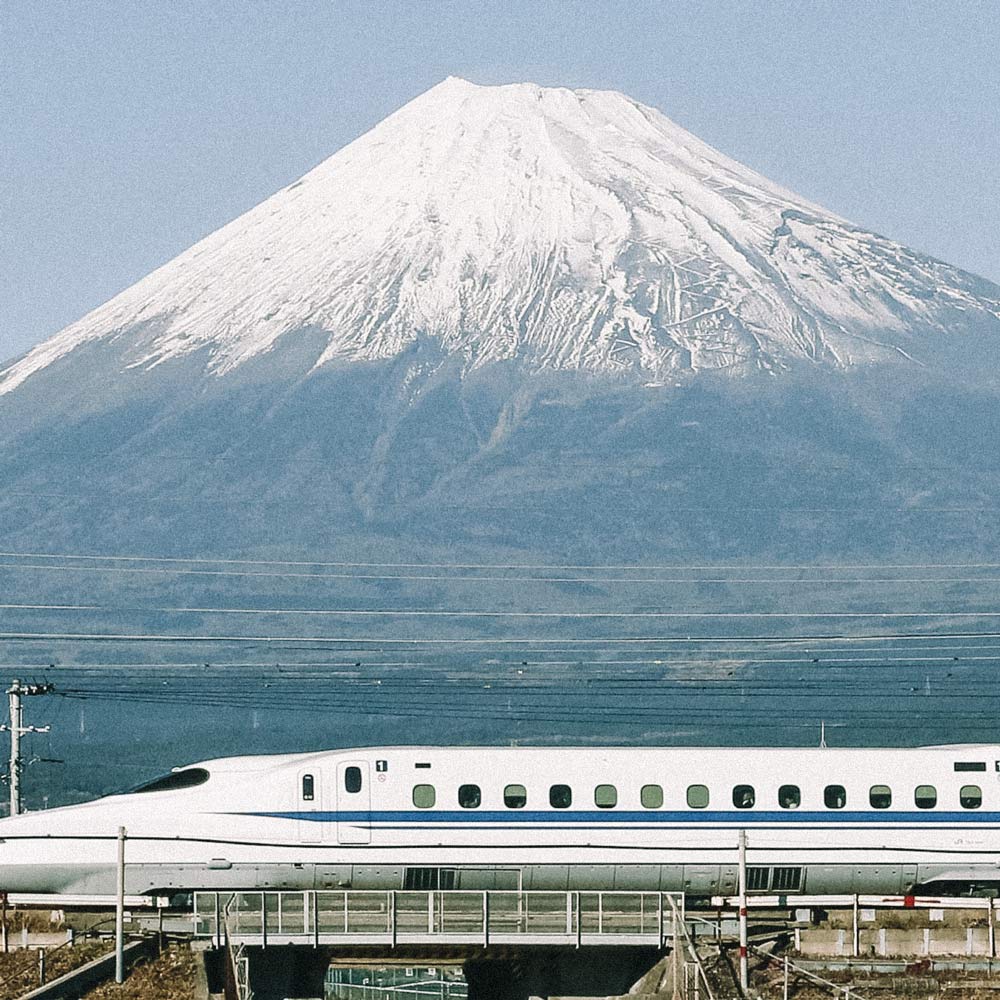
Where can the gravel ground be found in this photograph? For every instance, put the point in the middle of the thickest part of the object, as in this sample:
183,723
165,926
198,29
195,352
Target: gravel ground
914,985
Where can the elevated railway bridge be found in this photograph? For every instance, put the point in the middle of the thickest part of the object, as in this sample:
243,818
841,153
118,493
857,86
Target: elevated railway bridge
511,943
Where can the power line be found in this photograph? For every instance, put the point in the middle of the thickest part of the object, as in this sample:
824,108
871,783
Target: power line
853,664
467,641
467,613
430,697
585,684
933,640
500,578
496,566
54,607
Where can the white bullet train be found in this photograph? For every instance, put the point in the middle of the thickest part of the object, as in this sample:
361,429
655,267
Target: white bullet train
817,821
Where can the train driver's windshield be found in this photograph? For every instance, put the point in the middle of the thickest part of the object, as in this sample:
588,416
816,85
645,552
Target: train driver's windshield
188,778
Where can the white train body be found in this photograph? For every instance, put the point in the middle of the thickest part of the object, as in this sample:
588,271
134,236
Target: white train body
817,821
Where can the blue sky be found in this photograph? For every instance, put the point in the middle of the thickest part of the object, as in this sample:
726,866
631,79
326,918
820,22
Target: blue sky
129,131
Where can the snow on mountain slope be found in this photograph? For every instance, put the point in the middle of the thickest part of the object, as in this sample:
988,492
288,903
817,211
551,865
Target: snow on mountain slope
565,229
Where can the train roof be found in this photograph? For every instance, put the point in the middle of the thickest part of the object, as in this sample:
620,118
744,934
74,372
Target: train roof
255,762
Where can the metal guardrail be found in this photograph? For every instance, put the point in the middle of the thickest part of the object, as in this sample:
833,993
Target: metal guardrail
365,917
773,900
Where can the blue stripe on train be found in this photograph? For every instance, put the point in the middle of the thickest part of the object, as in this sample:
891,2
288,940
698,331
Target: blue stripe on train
469,817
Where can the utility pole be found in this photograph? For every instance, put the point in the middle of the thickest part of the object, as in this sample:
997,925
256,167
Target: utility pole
17,729
120,909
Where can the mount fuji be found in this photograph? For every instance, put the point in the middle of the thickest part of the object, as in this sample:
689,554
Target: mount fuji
565,229
515,318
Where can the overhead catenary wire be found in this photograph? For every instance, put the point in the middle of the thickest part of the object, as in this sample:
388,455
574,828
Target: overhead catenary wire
914,723
863,660
473,698
607,697
604,690
353,689
971,715
584,686
368,704
488,686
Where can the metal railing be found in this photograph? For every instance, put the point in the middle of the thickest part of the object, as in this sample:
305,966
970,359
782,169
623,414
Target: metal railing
424,917
695,977
239,963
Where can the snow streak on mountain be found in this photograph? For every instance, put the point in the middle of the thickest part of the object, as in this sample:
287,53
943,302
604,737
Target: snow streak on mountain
562,229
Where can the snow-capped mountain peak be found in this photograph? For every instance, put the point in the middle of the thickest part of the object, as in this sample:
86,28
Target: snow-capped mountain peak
563,229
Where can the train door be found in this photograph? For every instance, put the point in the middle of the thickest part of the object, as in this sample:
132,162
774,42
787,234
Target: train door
309,806
354,798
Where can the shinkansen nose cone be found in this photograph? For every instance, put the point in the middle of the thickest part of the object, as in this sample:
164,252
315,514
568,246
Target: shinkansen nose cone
74,849
51,851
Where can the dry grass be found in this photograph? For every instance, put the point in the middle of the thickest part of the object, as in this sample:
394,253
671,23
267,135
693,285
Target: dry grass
169,977
34,920
19,969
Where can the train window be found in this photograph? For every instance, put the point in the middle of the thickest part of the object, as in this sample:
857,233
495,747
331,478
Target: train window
605,796
515,796
424,796
651,796
352,779
744,796
880,796
560,796
308,788
187,778
970,765
970,797
835,796
469,796
697,796
925,796
757,878
789,797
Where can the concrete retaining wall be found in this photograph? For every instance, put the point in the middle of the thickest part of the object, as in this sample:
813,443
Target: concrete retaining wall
892,941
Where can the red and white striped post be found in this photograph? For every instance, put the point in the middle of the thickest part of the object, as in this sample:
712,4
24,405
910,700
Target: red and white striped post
744,964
